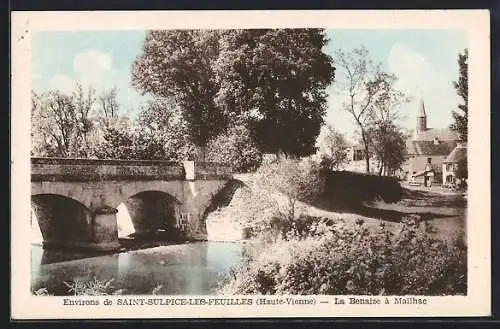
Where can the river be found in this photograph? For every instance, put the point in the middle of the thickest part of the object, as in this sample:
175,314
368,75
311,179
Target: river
188,268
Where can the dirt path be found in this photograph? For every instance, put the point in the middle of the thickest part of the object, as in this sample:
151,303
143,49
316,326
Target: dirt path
446,212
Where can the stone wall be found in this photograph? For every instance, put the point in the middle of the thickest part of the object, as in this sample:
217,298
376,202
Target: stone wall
53,169
98,170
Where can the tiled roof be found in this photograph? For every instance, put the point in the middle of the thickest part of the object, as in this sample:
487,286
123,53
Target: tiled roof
429,147
424,142
442,134
458,153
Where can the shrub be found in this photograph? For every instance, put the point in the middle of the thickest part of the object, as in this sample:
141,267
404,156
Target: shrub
357,262
297,180
344,189
41,292
235,147
302,180
332,148
92,287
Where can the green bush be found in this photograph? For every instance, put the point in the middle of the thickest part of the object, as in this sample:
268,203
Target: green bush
235,147
356,262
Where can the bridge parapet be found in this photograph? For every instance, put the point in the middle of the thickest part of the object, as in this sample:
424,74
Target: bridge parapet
211,170
64,169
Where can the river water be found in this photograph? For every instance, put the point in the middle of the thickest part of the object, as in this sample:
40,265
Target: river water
189,268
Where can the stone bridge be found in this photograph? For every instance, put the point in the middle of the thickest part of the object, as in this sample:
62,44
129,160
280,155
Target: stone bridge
77,202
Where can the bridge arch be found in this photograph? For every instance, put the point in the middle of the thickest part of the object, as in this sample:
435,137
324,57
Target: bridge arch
102,186
63,221
150,214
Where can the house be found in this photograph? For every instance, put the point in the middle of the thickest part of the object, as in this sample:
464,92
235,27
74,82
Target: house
356,159
355,152
426,150
450,164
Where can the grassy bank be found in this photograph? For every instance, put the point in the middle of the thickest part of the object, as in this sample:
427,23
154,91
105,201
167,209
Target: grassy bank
339,239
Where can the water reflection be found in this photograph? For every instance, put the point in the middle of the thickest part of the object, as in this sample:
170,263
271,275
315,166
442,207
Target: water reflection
192,268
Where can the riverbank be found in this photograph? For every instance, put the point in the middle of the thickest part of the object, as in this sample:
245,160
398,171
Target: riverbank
251,206
55,255
416,245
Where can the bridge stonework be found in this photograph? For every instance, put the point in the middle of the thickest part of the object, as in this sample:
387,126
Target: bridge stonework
100,186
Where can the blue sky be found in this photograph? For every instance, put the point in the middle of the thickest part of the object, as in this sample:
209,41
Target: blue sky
425,62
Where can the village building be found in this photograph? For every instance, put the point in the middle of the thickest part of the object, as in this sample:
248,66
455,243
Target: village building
429,156
432,154
451,165
426,150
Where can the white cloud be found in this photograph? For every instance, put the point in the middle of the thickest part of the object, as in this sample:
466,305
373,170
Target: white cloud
94,67
418,77
63,83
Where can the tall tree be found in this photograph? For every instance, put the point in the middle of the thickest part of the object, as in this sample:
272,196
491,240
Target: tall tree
462,87
177,64
275,81
83,103
108,107
272,81
388,144
65,124
54,125
369,91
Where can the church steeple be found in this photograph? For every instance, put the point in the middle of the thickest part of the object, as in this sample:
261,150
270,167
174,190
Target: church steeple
421,117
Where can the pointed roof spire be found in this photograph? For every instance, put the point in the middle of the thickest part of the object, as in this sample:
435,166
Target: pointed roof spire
421,110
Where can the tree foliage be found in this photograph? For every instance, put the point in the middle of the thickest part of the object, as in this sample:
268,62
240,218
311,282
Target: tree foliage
125,144
108,107
272,81
61,123
460,124
237,148
275,81
162,120
333,148
77,124
369,92
178,64
462,170
388,144
297,180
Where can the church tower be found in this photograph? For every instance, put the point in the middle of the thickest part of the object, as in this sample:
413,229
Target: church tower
421,117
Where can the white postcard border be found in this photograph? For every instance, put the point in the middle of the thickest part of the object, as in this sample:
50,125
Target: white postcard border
476,22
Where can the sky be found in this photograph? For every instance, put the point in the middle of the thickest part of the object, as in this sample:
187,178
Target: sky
425,62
